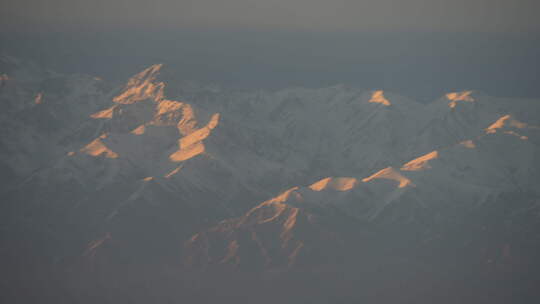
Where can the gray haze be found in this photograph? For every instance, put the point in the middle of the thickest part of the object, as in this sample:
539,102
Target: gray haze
159,190
421,48
317,15
420,65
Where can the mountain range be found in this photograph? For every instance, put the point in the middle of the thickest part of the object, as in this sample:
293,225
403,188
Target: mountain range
165,191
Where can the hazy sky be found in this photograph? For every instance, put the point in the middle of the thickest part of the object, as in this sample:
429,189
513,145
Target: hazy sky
318,15
425,47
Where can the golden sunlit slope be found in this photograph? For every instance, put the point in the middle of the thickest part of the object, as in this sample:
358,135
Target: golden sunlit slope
507,124
465,170
455,97
420,163
192,144
98,148
139,130
506,121
142,86
287,195
468,143
272,235
335,183
107,113
378,97
390,174
155,123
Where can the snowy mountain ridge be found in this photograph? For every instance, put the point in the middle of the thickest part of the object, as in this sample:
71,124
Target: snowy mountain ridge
292,180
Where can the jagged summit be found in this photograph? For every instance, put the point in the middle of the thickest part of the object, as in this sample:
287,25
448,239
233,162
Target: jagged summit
509,125
455,97
378,97
142,86
143,128
506,121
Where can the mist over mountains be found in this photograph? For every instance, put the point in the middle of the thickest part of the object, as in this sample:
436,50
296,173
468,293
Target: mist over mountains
422,65
164,190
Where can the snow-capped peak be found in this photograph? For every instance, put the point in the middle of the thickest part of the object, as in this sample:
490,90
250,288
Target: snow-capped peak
455,97
142,86
378,97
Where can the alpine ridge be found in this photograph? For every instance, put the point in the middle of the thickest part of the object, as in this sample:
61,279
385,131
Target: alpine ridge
162,191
